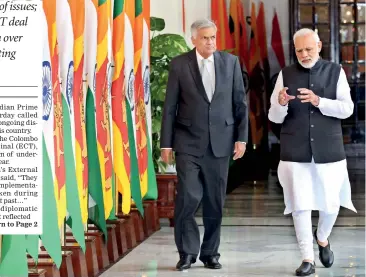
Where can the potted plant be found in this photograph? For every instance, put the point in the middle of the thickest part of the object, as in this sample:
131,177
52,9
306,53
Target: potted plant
163,47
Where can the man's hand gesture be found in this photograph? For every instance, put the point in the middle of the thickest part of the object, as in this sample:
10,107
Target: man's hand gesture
308,95
283,97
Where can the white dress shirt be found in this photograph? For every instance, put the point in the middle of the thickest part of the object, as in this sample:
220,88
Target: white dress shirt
210,68
311,186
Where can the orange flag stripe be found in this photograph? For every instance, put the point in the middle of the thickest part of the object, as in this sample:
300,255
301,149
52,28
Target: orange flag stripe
118,45
102,36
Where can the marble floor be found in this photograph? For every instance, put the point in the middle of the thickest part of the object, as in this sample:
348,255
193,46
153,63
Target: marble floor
245,251
257,239
260,202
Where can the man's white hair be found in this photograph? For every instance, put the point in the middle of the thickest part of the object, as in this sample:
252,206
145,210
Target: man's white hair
201,24
306,31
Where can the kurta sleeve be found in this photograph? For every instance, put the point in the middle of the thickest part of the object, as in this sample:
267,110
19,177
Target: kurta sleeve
342,106
277,112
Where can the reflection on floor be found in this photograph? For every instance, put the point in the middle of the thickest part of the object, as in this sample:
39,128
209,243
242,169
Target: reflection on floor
257,239
245,252
260,203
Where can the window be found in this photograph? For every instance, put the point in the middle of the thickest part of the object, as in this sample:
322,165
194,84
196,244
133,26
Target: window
341,27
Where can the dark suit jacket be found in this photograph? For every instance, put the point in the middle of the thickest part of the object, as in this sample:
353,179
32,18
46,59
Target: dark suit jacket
190,121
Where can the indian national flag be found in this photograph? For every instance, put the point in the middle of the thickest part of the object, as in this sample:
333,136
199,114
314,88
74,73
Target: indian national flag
131,104
66,44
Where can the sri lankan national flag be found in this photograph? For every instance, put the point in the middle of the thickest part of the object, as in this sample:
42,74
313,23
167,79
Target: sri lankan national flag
77,8
234,25
60,190
102,107
140,112
256,97
238,31
262,43
51,232
219,15
276,42
110,72
243,41
95,204
121,146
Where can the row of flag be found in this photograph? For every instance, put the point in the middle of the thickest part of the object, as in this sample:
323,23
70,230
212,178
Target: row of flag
253,55
96,121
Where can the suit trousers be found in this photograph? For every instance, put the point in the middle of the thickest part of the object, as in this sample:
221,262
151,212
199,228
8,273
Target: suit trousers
201,180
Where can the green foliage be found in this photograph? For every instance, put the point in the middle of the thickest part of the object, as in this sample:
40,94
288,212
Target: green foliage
169,45
163,48
156,24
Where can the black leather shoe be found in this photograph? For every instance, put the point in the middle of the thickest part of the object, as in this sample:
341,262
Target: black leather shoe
185,262
211,262
326,255
305,269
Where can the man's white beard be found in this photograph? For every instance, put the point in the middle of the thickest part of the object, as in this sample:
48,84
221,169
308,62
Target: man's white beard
308,65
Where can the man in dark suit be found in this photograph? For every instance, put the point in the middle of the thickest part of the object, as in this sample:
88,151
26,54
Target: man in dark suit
205,121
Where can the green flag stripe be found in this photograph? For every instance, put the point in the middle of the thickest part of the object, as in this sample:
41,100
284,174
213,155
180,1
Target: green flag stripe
113,211
32,246
138,7
152,188
51,234
13,256
96,214
135,177
118,8
72,194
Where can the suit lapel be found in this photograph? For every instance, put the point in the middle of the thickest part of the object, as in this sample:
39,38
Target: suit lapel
219,79
193,65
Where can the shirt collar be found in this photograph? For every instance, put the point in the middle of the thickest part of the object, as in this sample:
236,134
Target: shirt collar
200,58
